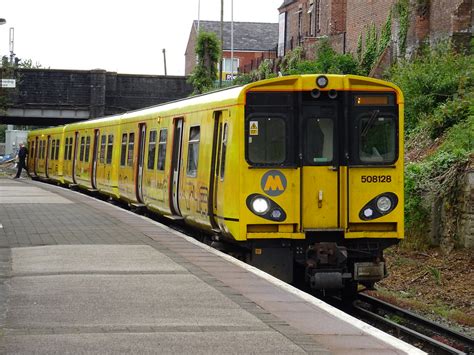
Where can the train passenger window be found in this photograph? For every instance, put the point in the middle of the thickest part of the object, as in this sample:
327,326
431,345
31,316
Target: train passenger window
123,154
69,156
162,149
81,154
193,151
377,138
88,148
53,149
66,148
223,151
318,142
267,140
40,148
110,146
151,150
103,141
57,150
131,143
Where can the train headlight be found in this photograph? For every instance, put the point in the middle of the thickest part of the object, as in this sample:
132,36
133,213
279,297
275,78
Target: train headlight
379,206
384,204
260,205
322,81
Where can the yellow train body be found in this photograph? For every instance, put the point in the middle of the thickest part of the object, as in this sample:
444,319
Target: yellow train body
297,169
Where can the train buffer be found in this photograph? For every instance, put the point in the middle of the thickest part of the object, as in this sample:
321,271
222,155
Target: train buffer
81,275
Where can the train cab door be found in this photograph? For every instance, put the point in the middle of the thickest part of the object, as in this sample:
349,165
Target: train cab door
176,164
320,168
95,153
47,158
140,162
74,160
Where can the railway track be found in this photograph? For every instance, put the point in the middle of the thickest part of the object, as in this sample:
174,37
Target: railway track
421,332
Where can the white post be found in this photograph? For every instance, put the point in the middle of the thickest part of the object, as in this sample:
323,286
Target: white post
232,39
199,14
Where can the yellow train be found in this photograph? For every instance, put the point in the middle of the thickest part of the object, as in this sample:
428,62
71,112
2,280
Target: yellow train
298,175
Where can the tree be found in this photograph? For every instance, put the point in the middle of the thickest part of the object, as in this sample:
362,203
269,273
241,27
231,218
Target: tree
205,73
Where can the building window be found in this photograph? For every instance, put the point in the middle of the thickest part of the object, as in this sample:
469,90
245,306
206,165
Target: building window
300,26
227,65
281,34
162,149
193,151
151,150
110,146
311,17
131,144
317,16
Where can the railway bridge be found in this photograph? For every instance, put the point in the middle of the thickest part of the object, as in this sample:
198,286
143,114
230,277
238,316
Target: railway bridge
46,97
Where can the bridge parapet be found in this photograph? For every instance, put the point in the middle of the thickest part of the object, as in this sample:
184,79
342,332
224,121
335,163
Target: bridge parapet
55,96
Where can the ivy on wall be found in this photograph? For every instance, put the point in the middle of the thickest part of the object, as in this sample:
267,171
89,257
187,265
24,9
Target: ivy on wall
402,10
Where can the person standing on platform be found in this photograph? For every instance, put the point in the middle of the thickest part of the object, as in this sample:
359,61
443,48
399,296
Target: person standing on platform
22,153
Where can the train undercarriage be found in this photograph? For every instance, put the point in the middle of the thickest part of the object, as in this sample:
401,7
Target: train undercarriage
330,264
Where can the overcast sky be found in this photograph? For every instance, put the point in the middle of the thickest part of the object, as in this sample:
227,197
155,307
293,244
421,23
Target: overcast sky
126,36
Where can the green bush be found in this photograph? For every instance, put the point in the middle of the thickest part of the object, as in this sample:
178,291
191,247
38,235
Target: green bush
431,79
450,113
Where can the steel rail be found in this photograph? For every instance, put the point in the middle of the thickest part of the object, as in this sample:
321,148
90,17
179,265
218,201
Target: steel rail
462,341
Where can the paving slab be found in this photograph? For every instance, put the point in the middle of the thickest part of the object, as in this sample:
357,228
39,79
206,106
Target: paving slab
83,276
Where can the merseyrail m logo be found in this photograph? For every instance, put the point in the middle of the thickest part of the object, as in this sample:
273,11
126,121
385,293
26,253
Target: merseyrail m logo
273,183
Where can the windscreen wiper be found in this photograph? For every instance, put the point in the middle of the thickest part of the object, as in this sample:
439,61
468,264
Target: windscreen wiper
370,123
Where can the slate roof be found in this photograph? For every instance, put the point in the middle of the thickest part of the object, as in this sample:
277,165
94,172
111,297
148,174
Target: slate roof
249,36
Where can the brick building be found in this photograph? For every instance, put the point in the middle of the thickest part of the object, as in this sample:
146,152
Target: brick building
304,22
253,42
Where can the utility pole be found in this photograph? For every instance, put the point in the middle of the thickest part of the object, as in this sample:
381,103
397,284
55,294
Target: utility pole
164,58
12,45
222,43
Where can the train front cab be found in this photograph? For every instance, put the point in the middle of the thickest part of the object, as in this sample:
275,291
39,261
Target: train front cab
323,189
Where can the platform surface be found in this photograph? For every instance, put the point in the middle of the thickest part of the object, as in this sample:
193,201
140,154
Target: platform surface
79,275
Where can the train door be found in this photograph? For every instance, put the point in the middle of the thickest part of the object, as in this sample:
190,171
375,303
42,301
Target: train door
46,164
320,179
141,159
176,164
95,153
74,160
219,151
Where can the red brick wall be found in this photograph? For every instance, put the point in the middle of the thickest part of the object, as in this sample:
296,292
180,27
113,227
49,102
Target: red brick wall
190,54
446,18
361,14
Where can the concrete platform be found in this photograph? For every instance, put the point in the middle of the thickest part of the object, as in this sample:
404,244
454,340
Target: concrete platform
78,275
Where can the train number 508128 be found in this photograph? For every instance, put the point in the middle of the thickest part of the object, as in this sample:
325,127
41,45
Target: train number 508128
375,178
